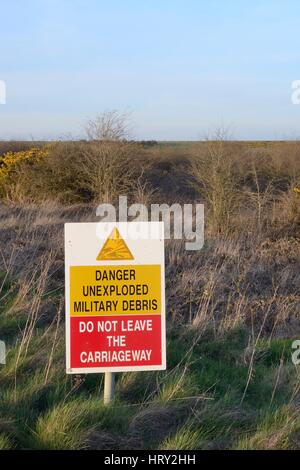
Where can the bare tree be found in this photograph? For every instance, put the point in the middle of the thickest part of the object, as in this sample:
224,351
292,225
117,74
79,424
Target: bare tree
109,168
110,162
213,172
110,126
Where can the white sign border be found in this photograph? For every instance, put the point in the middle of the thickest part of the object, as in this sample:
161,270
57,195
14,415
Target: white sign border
95,370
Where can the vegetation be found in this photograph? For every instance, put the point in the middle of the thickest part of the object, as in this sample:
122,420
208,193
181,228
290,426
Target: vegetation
232,308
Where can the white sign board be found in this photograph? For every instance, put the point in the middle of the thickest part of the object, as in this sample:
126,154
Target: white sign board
115,297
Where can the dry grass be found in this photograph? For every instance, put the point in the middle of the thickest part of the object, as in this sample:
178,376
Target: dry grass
233,307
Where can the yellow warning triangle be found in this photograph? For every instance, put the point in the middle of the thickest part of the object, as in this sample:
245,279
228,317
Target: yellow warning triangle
114,248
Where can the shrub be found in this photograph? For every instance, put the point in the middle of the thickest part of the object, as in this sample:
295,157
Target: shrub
71,172
12,162
287,208
215,177
58,176
109,168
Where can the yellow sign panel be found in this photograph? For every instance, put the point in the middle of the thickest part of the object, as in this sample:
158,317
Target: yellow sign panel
117,290
114,248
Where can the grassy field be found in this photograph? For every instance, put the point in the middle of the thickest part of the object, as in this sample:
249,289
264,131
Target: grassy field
233,308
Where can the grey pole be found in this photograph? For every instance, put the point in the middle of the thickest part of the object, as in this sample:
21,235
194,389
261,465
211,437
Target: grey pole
109,387
2,352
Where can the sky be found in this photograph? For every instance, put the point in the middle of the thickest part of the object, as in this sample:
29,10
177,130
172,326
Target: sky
181,68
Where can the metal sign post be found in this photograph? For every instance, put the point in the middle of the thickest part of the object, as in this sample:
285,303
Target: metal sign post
109,387
2,352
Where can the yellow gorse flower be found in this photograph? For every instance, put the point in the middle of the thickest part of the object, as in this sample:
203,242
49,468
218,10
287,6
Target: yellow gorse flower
296,190
10,160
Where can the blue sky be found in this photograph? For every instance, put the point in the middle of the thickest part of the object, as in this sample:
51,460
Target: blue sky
181,67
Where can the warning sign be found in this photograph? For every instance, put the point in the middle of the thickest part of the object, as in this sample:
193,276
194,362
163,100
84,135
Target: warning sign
115,305
114,248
